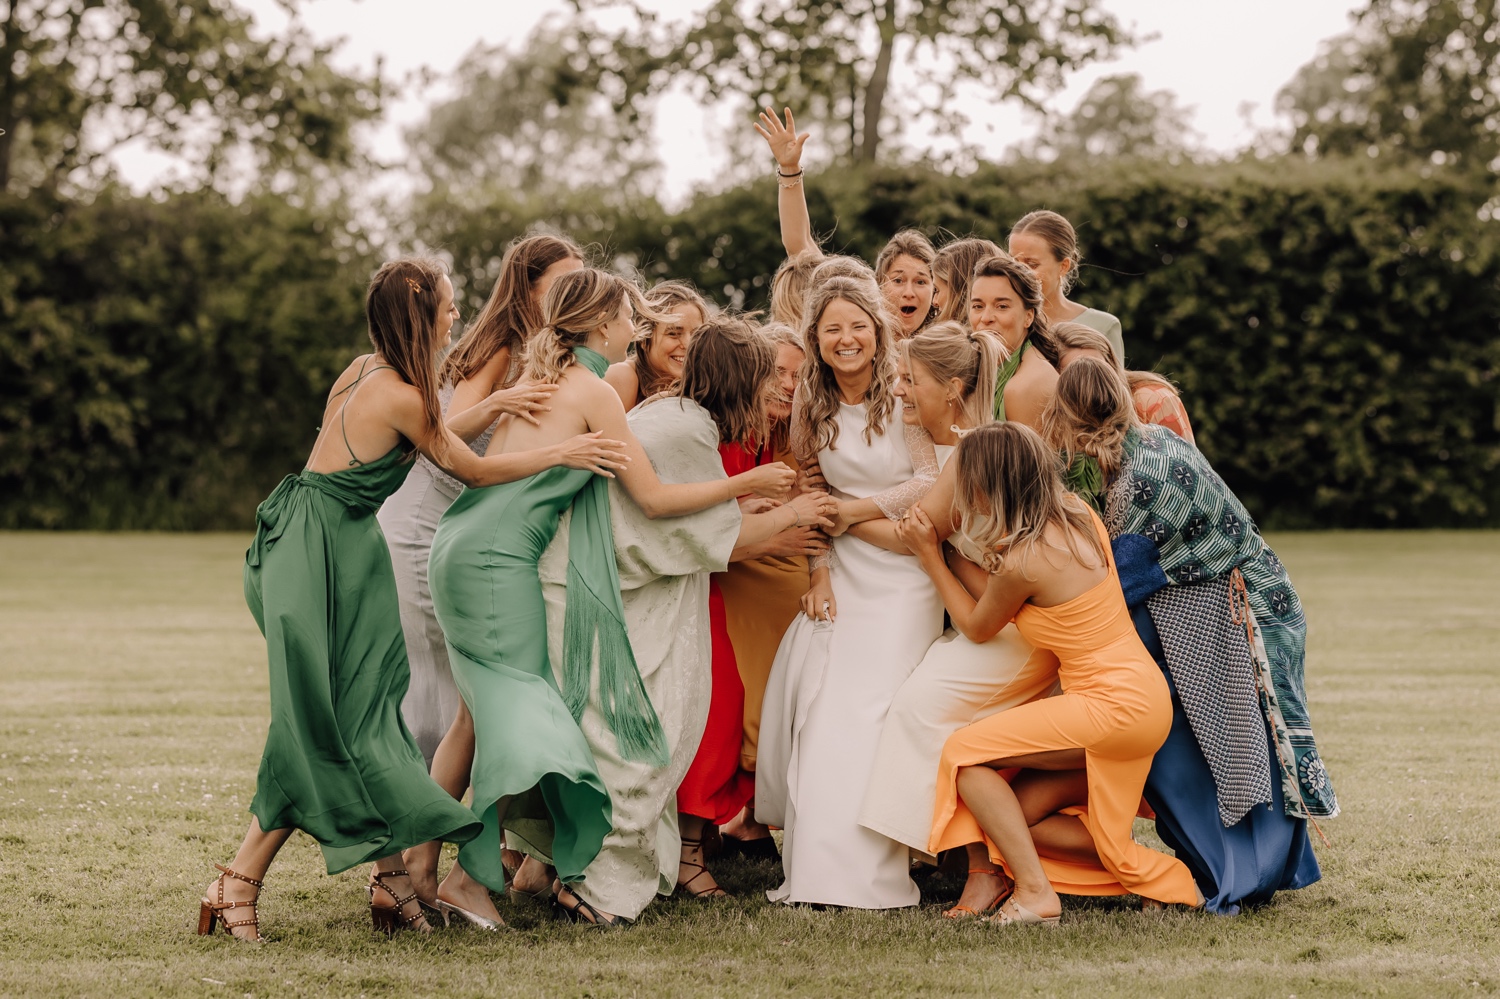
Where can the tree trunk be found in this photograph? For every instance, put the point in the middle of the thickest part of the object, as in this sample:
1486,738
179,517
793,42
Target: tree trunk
879,80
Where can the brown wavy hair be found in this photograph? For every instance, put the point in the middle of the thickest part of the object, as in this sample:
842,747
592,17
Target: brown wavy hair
512,311
665,298
728,371
401,312
815,416
1077,336
1024,281
1009,489
576,305
1091,413
955,263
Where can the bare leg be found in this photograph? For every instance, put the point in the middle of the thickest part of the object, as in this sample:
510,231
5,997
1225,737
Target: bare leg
744,827
391,888
450,769
463,891
692,872
252,860
985,882
532,877
999,814
1042,795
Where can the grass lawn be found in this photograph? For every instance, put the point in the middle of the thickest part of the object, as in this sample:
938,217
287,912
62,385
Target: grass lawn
133,708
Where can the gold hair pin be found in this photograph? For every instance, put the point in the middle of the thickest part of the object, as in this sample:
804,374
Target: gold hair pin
415,287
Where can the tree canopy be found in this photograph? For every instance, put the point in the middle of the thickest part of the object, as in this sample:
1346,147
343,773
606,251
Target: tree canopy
79,78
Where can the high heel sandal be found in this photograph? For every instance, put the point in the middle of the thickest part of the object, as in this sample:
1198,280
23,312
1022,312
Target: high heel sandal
576,912
211,914
447,909
387,918
715,892
1007,887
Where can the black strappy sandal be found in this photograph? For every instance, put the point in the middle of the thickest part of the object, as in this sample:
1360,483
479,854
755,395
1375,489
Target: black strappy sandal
581,913
715,892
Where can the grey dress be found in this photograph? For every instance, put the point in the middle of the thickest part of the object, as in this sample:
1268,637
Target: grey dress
409,519
1106,324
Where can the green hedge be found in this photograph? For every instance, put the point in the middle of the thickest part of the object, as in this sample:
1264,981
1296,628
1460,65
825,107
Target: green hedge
1334,330
163,364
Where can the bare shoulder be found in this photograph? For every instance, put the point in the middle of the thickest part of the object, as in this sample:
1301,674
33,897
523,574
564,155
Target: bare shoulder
622,377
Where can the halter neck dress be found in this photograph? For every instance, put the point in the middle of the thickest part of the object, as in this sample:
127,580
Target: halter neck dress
339,763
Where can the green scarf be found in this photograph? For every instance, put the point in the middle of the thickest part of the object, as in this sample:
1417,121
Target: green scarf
1008,369
1085,478
595,612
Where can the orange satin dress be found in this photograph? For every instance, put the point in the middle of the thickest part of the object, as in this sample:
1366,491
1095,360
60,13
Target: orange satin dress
1114,705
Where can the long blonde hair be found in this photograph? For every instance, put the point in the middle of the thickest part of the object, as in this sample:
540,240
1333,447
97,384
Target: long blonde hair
401,313
954,263
1090,413
576,305
789,287
1009,489
950,350
817,408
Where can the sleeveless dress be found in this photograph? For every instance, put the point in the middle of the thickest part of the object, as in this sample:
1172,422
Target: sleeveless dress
1116,707
487,594
409,518
956,683
830,688
716,787
339,762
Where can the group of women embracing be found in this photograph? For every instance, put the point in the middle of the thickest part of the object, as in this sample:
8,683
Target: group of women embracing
916,567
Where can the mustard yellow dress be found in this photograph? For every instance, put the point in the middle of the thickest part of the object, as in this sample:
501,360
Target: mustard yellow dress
1114,705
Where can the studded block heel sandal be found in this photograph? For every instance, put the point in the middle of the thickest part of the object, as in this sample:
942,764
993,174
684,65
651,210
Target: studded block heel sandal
387,918
211,914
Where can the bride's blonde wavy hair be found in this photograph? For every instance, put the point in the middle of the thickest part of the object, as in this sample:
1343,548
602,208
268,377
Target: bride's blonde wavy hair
576,305
815,421
1009,489
1090,413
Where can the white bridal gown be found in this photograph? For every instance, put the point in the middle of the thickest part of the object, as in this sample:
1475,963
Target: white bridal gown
832,684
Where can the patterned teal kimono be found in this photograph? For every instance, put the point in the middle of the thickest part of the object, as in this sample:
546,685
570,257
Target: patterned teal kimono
1172,496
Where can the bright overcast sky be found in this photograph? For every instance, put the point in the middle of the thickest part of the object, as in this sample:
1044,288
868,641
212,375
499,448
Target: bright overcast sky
1221,59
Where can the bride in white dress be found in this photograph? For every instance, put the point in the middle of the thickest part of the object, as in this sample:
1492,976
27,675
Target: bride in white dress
868,618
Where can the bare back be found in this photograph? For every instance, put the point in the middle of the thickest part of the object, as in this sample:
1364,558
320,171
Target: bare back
359,421
1057,574
577,397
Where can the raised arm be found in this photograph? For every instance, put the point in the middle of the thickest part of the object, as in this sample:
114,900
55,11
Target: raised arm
605,414
791,198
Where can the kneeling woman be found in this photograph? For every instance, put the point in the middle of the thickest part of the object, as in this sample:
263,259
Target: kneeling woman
1063,824
488,597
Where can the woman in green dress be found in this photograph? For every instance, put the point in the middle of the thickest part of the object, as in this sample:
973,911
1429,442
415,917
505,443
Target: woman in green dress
1005,299
339,763
533,772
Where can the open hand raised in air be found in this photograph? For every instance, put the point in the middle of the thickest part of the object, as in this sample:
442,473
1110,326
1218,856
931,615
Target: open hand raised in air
786,145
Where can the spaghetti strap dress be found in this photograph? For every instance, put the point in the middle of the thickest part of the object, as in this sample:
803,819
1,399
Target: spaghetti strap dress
1114,705
339,762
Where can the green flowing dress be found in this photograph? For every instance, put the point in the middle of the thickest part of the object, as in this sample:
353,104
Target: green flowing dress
339,762
533,772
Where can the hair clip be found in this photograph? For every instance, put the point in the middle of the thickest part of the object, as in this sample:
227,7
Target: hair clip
960,432
415,287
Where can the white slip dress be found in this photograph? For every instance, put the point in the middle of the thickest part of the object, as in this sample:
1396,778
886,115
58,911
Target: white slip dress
957,683
831,686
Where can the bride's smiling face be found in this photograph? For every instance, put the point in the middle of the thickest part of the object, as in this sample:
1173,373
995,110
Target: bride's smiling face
846,338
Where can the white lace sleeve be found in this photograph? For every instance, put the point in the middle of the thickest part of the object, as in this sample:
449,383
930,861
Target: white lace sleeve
894,502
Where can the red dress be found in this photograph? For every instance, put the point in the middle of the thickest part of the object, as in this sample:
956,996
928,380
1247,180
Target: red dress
715,787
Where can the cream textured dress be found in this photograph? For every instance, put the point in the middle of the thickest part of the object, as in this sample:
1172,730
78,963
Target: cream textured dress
832,684
957,682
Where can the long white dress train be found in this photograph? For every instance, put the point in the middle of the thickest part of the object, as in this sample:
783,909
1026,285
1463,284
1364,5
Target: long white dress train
831,686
